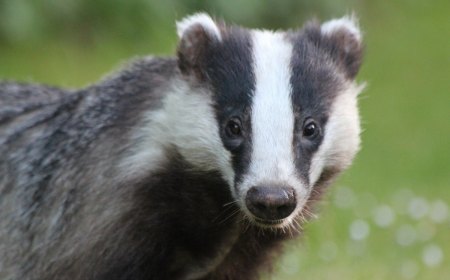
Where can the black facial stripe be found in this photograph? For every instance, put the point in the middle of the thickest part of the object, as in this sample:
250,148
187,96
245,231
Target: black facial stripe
315,84
229,68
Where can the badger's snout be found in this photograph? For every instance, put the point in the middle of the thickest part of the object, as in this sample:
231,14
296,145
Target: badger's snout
270,203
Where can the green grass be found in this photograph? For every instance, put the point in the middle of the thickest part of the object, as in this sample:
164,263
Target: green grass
404,164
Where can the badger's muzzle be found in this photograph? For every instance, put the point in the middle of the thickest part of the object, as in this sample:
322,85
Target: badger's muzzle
270,205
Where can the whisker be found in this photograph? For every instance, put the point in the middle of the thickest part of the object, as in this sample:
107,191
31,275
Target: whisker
298,228
290,228
230,216
231,202
310,214
245,223
223,212
299,225
302,218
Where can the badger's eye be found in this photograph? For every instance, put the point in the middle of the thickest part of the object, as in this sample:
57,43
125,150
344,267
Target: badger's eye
233,128
310,129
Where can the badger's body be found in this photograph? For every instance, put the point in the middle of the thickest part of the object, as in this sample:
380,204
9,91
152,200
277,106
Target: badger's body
194,167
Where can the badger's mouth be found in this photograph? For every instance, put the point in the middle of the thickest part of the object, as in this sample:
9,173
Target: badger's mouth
269,223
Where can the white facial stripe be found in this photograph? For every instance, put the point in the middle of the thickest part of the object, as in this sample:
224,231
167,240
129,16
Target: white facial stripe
341,139
272,113
177,124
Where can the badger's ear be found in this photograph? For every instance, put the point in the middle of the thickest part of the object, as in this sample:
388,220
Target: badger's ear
198,34
344,41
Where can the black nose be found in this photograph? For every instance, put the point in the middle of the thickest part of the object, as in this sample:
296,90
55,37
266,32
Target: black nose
271,203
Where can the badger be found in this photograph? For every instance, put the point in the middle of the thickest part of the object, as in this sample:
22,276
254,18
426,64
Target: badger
197,166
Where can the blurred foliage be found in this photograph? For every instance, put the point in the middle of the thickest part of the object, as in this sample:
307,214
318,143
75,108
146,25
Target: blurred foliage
87,20
102,33
388,217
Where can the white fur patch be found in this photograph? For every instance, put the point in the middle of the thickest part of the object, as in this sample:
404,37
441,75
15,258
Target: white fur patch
202,19
272,159
341,140
349,23
186,121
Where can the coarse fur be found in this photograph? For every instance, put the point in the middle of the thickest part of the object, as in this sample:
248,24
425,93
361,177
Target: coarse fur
139,177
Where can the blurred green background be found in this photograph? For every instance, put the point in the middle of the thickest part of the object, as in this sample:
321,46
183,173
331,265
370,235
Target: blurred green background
386,218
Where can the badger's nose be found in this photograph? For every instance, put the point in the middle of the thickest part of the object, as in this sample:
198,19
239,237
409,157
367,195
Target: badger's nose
271,203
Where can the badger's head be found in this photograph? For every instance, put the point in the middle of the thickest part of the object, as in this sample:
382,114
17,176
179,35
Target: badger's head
285,105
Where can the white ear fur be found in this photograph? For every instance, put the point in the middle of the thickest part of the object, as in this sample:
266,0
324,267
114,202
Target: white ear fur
348,23
202,19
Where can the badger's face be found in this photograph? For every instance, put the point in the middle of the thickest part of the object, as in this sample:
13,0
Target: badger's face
285,104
